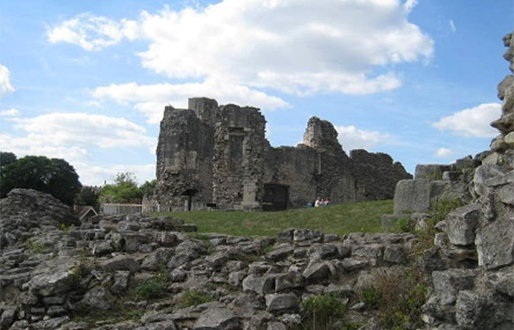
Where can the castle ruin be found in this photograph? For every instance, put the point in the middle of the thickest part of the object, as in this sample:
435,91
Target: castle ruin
212,156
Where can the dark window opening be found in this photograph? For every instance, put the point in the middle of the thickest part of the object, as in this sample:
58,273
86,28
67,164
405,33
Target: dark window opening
190,193
276,197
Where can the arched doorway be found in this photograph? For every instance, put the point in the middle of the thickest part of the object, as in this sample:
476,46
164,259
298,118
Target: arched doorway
276,197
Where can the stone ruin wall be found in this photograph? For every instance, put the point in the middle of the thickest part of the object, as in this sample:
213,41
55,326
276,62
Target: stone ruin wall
218,155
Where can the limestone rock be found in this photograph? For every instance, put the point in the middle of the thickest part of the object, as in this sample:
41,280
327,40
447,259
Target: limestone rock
461,224
506,194
316,270
483,174
415,195
61,276
259,284
121,262
217,319
495,243
447,284
281,302
97,298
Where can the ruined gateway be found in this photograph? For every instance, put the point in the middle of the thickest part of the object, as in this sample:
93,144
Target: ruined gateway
212,156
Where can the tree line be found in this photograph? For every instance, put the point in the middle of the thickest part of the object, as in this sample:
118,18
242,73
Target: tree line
58,178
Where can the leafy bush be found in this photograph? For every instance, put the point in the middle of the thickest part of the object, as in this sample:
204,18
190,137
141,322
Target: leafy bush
404,225
151,288
36,246
398,298
194,297
322,311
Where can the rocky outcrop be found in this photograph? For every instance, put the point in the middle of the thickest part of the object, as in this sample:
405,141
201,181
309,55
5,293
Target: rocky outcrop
212,156
26,209
152,276
475,242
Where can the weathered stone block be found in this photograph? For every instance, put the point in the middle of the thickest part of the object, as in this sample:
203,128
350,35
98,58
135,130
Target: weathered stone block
485,173
259,284
447,284
316,270
97,298
59,278
415,195
121,262
395,254
495,243
217,319
469,309
506,194
431,171
461,224
281,302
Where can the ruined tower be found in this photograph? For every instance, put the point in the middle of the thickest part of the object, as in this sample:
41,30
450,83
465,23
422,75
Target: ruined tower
212,156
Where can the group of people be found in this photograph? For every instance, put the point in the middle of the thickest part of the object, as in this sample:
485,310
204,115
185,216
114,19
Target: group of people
321,202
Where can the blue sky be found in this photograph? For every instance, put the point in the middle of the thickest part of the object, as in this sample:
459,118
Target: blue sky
87,81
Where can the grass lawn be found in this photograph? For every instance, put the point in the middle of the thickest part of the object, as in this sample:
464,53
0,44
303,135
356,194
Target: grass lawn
336,219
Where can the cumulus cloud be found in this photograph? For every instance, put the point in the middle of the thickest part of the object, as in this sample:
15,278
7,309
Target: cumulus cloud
444,152
80,129
32,145
151,99
352,138
297,46
472,122
10,113
5,81
72,136
92,33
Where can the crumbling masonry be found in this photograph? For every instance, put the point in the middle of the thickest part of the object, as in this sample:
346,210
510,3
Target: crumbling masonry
212,156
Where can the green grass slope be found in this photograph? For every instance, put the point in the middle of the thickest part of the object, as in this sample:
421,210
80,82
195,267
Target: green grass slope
334,219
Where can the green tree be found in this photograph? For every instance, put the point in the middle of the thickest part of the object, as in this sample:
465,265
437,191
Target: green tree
89,196
148,188
6,158
124,190
52,176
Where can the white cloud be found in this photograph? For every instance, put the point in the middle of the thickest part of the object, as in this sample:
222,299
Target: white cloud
295,46
72,136
92,33
151,99
444,152
32,145
80,129
10,113
92,175
5,81
472,122
352,138
292,46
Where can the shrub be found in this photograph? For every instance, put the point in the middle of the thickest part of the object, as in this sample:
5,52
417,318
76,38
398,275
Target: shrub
151,288
322,311
194,297
398,297
36,246
404,225
439,210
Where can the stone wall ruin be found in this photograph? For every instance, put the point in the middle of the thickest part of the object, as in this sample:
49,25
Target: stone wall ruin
212,155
